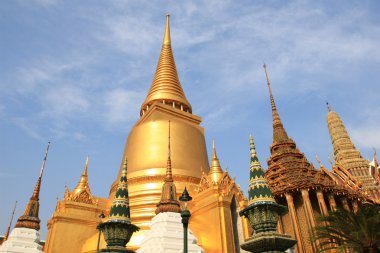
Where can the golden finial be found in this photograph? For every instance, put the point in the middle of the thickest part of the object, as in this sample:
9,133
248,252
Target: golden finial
85,167
167,40
10,223
214,156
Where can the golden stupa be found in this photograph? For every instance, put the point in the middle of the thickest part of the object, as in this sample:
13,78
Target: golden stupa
216,198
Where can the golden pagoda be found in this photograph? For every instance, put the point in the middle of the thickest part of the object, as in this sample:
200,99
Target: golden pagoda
348,160
295,183
217,199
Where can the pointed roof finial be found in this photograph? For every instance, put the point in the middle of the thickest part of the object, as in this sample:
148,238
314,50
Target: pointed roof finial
279,133
44,161
216,171
328,107
10,223
167,40
166,87
83,184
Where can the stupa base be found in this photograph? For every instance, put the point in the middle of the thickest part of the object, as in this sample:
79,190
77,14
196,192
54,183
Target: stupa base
266,242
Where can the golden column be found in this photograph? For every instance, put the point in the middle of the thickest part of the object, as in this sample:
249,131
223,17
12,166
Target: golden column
296,228
332,202
322,203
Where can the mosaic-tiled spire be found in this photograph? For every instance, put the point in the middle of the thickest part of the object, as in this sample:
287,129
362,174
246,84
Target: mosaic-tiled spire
279,133
166,85
258,190
345,152
120,206
169,201
30,217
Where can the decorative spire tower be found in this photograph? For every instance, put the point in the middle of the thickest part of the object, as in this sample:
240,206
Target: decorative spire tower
347,156
30,217
169,201
263,213
288,168
118,229
216,171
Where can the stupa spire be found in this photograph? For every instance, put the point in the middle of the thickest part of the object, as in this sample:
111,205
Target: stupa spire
258,189
83,182
216,171
279,133
10,223
166,87
120,210
345,152
169,201
30,217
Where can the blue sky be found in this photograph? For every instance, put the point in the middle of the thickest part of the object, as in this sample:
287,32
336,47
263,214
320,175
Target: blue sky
76,73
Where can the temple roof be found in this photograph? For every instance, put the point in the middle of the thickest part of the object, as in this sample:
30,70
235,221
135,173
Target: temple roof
166,86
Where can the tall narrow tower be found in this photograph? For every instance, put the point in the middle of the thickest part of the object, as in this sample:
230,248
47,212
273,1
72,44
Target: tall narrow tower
295,183
347,156
25,237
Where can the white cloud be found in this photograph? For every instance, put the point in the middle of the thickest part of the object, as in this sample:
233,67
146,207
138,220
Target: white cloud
28,126
366,136
121,106
65,102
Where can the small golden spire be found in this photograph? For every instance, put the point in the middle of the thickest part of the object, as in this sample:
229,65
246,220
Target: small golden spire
10,223
83,182
169,201
216,171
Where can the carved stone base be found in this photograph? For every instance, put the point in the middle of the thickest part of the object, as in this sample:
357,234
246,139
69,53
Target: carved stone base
268,242
117,234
